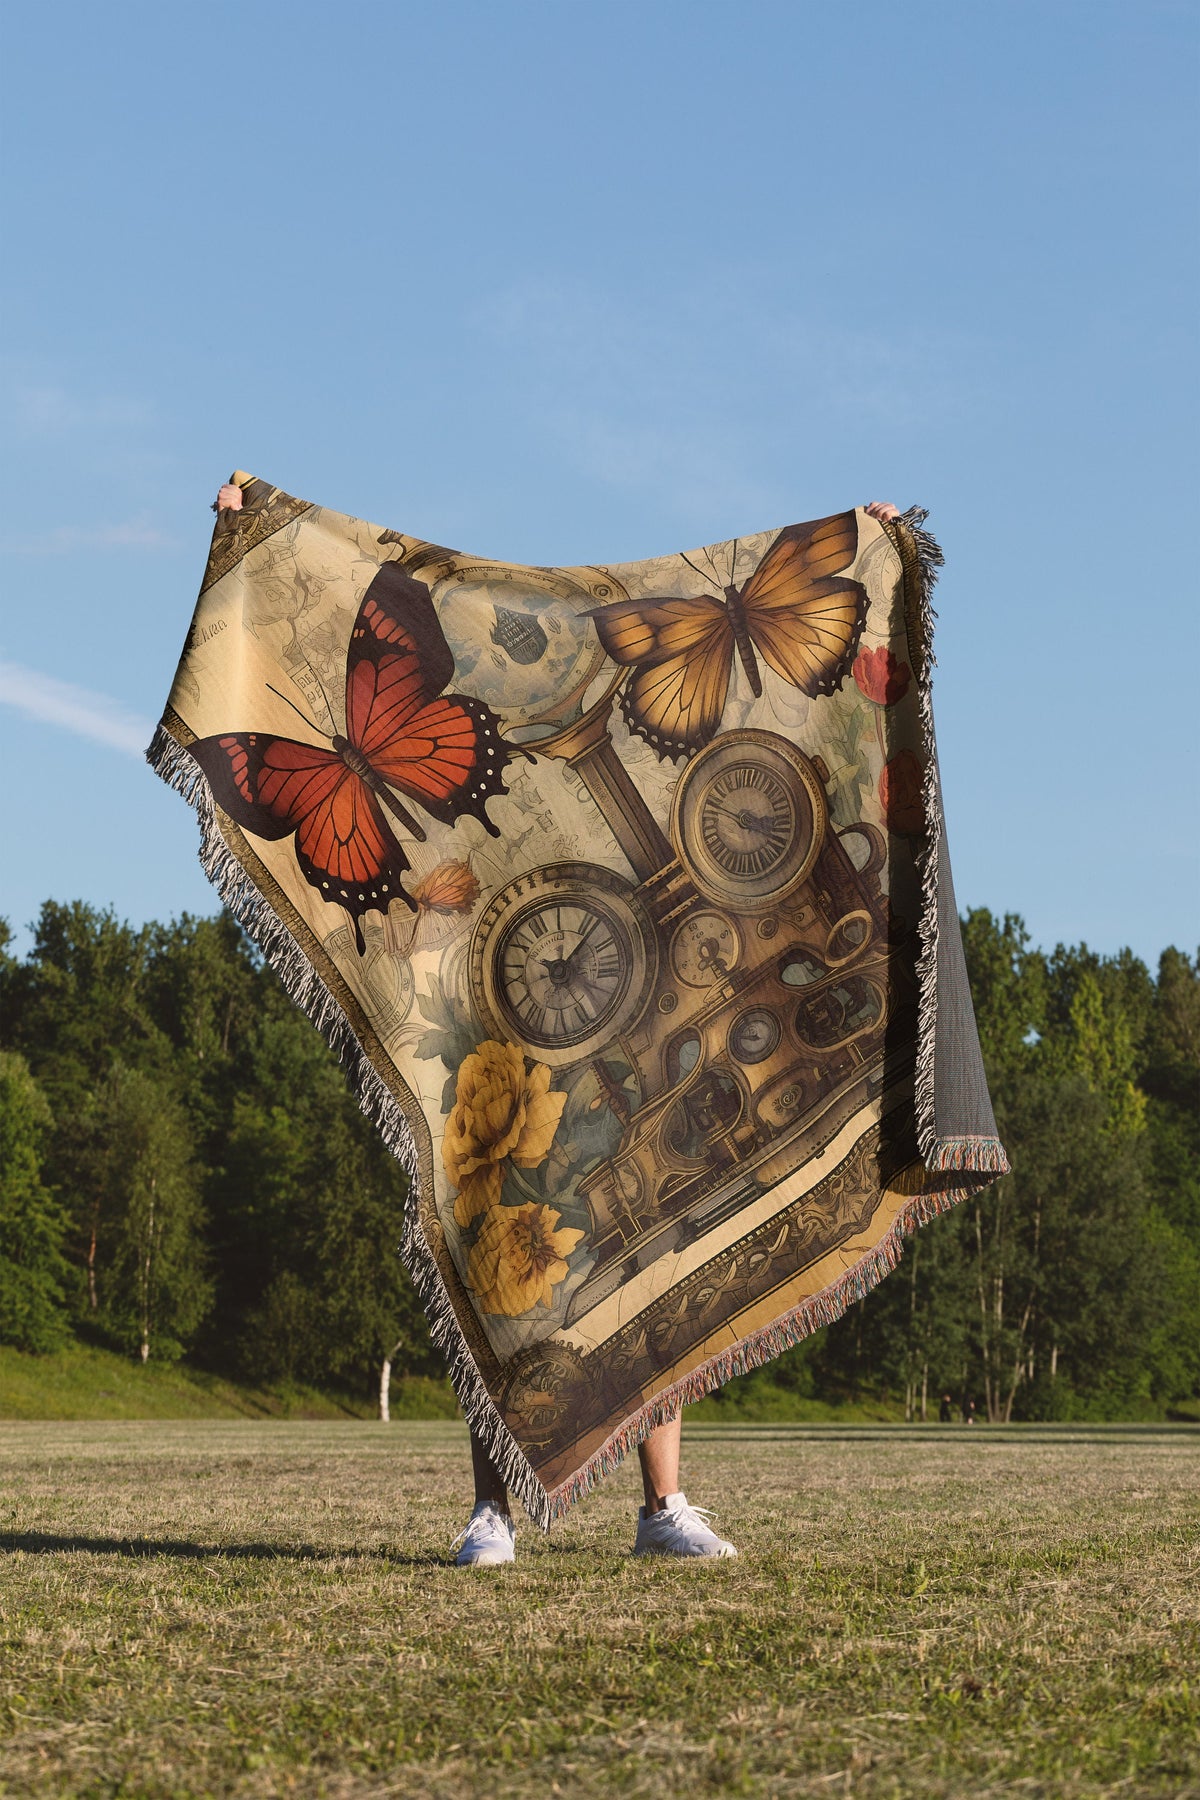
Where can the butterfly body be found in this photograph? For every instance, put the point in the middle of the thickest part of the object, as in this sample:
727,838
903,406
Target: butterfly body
797,612
742,638
403,736
358,765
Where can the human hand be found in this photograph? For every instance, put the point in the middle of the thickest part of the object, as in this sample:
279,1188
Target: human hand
229,499
881,510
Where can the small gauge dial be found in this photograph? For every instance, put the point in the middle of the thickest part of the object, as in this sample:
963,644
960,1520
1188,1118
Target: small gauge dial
749,819
754,1035
704,949
561,960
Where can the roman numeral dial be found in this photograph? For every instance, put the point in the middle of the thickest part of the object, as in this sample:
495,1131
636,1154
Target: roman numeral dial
749,818
559,959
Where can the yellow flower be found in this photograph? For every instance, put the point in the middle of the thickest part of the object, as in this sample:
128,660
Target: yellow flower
476,1192
519,1258
450,888
498,1111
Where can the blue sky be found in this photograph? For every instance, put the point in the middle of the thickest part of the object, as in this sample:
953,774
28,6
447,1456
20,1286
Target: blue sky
586,282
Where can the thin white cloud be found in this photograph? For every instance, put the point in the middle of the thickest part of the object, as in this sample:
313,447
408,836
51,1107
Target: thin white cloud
703,400
76,709
48,410
61,540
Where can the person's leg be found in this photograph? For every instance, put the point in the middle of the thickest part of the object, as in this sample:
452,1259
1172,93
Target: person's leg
489,1483
667,1524
659,1457
489,1534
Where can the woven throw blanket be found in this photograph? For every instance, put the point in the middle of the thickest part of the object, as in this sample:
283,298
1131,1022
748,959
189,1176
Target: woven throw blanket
623,894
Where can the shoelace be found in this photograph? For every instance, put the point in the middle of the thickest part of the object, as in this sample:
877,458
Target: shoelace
700,1514
476,1519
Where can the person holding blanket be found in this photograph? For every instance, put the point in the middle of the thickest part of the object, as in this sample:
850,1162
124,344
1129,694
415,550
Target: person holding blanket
668,1524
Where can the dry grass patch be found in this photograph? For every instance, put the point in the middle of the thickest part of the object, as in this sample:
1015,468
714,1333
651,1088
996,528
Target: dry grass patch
212,1609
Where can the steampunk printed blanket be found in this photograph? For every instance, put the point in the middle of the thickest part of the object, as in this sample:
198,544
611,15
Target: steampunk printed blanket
623,893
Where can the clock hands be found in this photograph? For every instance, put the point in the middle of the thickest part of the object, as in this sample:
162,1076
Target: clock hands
559,969
747,820
565,975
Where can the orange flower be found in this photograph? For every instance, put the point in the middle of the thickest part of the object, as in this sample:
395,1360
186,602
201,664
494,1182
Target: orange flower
499,1111
450,888
519,1258
901,794
880,676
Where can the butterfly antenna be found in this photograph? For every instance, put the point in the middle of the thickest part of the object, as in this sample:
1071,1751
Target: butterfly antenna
311,723
737,544
700,572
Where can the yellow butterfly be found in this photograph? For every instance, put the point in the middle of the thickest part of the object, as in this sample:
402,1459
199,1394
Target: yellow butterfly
794,611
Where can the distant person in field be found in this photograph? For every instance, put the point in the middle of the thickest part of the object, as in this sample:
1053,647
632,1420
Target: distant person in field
667,1525
945,1411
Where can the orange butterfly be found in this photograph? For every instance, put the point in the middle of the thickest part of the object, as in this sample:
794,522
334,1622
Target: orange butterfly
794,611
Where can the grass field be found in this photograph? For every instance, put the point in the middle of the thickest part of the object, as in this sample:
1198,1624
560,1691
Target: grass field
250,1609
86,1382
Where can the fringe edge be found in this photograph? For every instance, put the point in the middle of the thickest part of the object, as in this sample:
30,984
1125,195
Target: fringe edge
170,760
761,1346
976,1154
929,560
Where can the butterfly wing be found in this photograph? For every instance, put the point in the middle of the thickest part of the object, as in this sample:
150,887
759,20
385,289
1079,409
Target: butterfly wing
803,615
275,787
681,652
442,750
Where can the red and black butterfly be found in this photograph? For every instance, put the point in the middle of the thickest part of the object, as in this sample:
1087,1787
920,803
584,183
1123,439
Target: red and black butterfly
443,751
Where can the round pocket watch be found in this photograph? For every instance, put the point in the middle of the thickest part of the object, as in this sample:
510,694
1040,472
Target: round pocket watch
748,819
521,638
704,949
562,961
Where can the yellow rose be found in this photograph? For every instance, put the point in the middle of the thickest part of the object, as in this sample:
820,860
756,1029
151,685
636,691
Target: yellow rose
477,1191
498,1111
543,1110
519,1258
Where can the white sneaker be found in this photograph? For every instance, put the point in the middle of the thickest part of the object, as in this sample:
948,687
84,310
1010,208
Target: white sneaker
678,1530
487,1539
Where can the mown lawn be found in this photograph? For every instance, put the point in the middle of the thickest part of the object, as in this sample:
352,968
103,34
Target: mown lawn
212,1608
83,1381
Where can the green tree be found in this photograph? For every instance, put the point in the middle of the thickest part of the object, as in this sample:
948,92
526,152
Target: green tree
154,1286
1070,1272
1170,1076
32,1223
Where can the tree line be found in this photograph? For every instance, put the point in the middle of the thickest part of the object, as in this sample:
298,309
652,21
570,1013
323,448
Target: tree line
184,1173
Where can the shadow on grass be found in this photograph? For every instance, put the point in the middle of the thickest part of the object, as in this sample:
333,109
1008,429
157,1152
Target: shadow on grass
44,1542
37,1543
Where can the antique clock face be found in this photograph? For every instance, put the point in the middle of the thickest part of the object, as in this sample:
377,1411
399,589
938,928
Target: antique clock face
749,819
704,949
562,961
521,638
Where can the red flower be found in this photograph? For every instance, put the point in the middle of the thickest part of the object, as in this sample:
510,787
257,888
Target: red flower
880,677
901,794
